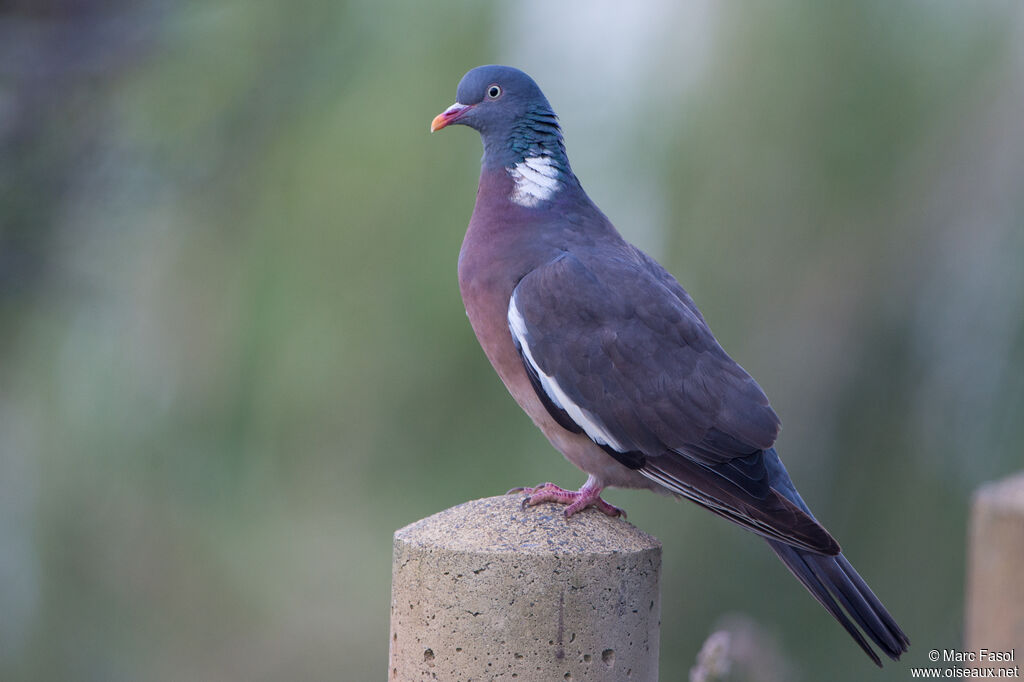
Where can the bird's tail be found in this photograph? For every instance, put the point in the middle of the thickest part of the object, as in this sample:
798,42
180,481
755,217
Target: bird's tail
834,582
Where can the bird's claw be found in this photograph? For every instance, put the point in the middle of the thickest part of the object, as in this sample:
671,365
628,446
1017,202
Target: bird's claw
575,500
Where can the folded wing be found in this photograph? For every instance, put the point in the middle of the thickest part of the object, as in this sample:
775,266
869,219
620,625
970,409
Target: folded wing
617,350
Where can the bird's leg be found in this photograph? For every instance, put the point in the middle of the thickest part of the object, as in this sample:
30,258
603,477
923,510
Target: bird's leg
587,496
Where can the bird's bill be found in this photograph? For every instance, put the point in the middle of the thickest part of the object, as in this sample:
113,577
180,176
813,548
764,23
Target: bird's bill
449,116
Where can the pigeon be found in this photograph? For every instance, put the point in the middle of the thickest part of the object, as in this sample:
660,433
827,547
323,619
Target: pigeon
612,360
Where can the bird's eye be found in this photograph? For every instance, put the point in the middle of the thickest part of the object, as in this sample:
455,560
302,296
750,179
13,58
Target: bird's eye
494,92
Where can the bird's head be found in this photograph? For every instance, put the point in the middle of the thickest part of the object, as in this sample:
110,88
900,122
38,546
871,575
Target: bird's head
508,110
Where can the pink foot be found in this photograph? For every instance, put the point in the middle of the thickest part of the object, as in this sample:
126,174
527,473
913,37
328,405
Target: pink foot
587,496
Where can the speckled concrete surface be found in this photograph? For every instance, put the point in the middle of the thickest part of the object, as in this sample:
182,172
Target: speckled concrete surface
489,591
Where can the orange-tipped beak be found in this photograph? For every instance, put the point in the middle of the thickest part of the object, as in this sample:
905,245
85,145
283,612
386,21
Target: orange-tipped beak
448,116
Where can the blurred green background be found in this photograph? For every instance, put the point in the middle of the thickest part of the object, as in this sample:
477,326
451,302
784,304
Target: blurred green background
233,357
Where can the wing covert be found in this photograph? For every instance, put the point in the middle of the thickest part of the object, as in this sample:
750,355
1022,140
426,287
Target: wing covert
633,365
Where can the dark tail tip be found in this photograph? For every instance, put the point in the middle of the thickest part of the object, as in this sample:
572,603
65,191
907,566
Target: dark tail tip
844,594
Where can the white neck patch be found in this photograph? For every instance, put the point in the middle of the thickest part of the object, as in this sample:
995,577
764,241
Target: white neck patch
536,180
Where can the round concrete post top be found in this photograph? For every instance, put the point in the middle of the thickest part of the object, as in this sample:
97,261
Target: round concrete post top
500,524
488,590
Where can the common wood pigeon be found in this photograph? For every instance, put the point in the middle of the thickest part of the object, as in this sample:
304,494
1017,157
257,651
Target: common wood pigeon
613,361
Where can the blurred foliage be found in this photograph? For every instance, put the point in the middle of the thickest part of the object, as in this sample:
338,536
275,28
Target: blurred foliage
233,357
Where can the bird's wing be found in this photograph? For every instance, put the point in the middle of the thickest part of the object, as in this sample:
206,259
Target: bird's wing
615,351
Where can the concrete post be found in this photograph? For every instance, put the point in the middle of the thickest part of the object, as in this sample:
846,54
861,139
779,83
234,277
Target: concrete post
995,568
489,591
